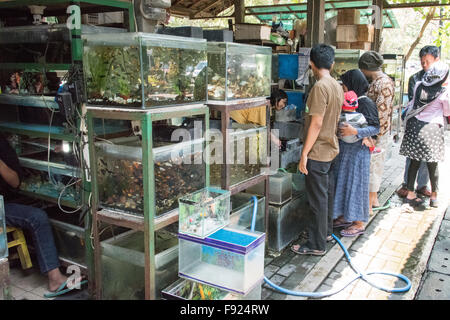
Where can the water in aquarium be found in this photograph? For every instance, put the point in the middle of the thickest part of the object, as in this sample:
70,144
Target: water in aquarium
120,177
237,255
247,159
113,75
144,70
203,212
238,71
63,188
184,289
123,264
342,65
35,44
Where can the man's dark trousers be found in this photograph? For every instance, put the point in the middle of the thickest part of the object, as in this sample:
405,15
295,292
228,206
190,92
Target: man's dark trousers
320,188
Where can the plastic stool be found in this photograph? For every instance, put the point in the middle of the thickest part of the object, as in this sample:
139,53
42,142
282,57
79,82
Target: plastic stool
21,244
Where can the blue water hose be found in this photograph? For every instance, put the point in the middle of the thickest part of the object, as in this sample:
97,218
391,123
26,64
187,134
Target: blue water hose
360,274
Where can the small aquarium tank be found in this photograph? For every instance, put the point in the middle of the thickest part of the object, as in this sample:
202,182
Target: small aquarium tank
36,44
144,70
345,60
204,212
247,157
238,71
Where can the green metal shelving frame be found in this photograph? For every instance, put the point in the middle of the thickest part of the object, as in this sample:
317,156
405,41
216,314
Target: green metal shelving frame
149,223
59,8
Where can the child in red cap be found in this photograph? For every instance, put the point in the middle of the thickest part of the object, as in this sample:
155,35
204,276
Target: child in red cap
353,118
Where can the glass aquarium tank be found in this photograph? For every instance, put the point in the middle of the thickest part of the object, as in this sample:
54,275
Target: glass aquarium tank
204,212
36,44
236,255
50,169
123,264
393,66
280,188
43,44
248,156
184,289
178,170
144,70
238,71
345,60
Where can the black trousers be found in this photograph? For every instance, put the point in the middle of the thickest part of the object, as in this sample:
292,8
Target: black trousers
432,171
320,188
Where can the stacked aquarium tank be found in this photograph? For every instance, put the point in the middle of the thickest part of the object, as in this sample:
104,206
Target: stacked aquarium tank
204,212
230,259
178,169
123,264
247,156
144,70
345,60
238,71
184,289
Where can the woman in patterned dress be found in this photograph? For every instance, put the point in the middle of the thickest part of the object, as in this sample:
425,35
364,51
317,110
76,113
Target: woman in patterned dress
351,203
424,129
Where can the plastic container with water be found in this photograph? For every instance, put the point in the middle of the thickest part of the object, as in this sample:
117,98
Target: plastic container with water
229,259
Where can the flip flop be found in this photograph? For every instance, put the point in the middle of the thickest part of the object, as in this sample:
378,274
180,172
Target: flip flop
306,250
342,224
337,223
348,232
415,203
63,289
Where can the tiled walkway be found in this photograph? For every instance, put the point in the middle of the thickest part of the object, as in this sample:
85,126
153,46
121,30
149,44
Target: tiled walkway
30,286
396,240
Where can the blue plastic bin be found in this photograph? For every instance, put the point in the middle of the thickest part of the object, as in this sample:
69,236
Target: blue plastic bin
288,66
296,98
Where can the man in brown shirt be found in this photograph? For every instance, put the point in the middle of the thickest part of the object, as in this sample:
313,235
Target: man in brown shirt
320,149
381,91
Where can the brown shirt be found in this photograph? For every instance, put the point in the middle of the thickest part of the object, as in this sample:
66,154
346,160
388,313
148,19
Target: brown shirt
325,99
382,91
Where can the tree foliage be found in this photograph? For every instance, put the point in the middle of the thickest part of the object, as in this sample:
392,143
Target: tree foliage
429,14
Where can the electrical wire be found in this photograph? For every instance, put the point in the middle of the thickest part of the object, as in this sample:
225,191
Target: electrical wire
69,184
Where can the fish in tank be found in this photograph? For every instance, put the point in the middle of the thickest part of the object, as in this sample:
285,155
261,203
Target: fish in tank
121,181
238,71
191,290
144,70
204,211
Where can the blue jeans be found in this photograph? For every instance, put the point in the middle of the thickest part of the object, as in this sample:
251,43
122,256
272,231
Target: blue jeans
422,175
35,221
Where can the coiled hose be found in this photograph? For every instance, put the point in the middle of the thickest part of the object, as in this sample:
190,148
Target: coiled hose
360,274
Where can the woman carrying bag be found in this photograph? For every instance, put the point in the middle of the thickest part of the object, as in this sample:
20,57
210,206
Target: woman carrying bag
424,129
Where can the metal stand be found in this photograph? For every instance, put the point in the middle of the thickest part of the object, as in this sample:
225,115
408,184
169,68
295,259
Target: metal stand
149,223
225,110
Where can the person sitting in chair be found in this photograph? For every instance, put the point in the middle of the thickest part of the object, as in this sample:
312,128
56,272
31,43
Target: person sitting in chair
31,219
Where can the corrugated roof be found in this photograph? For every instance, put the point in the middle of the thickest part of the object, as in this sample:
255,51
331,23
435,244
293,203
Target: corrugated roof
287,13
